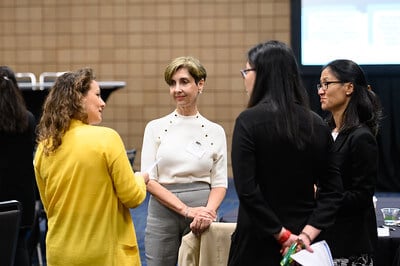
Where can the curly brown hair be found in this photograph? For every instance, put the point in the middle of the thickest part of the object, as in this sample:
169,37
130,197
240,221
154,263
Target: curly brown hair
64,102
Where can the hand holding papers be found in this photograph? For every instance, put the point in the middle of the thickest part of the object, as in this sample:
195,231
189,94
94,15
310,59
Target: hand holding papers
320,257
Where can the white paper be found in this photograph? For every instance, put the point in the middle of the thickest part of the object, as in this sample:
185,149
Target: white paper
383,231
153,165
320,257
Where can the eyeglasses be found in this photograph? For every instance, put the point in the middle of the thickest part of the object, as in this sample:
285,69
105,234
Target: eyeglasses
324,85
244,71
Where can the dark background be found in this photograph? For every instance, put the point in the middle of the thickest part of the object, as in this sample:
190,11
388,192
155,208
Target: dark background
389,136
385,82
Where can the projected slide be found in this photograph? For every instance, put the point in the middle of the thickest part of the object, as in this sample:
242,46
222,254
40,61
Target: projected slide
365,31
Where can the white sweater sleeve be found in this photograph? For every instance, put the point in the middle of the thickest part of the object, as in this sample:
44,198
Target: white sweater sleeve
149,150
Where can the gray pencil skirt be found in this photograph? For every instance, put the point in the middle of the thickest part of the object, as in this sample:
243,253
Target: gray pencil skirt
165,228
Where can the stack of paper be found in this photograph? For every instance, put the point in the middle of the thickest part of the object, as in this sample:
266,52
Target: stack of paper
320,257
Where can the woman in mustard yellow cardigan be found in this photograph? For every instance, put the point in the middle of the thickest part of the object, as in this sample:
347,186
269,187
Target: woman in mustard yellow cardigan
85,180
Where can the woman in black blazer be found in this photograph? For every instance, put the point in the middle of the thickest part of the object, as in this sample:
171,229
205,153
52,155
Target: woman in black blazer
280,149
354,116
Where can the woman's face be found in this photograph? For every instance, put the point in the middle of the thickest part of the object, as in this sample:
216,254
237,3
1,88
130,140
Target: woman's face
184,90
334,95
249,77
93,103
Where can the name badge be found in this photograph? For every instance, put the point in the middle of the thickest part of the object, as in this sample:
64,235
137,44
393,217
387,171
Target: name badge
195,148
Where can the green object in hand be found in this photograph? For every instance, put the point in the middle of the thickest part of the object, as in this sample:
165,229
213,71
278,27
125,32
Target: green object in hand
286,260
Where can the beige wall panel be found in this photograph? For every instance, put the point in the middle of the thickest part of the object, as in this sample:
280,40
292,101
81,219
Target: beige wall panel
133,40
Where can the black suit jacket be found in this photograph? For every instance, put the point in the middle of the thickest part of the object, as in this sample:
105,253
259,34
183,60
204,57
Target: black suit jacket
355,229
275,184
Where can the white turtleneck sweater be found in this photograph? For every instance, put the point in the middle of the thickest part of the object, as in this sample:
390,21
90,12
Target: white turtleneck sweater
191,149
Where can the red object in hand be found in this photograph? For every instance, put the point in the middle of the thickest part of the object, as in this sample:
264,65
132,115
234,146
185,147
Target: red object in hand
284,236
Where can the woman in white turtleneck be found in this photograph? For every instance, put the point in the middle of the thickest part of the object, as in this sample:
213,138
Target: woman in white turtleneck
190,180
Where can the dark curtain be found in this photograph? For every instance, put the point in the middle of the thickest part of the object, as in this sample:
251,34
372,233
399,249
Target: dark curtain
387,88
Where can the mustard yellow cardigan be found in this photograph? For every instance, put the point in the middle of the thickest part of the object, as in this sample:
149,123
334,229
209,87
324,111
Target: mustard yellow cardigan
87,187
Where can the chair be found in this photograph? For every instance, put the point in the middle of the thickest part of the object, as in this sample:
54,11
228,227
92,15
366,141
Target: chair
10,219
26,80
46,79
34,240
210,249
131,153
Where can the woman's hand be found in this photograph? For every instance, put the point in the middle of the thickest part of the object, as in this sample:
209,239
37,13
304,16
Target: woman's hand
202,219
200,224
146,178
302,243
204,212
285,245
144,175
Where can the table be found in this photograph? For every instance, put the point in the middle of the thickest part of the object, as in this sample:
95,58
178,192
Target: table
388,247
35,93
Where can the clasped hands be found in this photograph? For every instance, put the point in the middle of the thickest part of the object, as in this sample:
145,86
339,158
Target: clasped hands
202,219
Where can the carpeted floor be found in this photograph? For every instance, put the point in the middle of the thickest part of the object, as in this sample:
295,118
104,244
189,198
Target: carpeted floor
139,215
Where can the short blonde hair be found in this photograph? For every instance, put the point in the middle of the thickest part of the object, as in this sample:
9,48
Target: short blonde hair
193,65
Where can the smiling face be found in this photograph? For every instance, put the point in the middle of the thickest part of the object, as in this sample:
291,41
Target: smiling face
93,103
336,96
184,90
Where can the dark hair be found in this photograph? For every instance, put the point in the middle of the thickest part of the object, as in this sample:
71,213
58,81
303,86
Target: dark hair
13,111
278,82
364,106
63,103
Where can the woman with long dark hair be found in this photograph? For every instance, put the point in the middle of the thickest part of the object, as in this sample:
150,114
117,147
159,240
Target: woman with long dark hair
354,115
280,150
17,142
